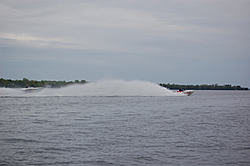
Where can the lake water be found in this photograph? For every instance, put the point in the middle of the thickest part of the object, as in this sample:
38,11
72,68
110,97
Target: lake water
206,128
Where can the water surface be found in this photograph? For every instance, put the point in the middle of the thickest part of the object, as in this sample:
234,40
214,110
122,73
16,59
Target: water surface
206,128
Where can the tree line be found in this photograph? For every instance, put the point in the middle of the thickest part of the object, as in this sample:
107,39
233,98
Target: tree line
8,83
203,87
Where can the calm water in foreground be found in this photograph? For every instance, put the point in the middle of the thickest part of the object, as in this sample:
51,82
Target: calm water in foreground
206,128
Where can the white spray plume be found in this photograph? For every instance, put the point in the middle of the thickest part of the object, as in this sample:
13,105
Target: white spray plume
100,88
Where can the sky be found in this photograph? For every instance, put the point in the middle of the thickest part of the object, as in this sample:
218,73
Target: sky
161,41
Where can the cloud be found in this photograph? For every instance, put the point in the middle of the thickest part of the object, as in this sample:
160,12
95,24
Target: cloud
123,26
27,38
90,25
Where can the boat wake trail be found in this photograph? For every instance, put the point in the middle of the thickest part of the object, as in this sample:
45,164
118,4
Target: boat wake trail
100,88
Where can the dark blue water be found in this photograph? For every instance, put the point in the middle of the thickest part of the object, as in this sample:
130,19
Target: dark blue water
206,128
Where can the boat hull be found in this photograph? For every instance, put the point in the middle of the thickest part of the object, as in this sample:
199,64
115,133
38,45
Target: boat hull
186,92
31,89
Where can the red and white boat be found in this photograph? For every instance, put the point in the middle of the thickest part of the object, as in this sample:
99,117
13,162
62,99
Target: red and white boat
187,92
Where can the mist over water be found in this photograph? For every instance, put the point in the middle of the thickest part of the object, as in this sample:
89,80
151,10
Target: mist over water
100,88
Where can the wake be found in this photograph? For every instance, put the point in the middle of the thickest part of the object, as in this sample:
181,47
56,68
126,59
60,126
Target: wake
100,88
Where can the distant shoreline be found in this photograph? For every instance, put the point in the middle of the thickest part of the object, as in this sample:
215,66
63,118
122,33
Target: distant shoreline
203,87
8,83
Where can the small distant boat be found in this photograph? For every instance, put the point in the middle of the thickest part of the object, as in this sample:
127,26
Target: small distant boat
187,92
30,89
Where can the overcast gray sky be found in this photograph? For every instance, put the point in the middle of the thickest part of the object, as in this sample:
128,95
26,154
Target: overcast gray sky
162,41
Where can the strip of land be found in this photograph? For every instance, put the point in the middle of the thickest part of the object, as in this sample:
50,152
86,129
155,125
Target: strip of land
8,83
203,87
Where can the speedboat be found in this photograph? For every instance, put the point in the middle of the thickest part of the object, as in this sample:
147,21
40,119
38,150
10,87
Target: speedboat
187,92
30,89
